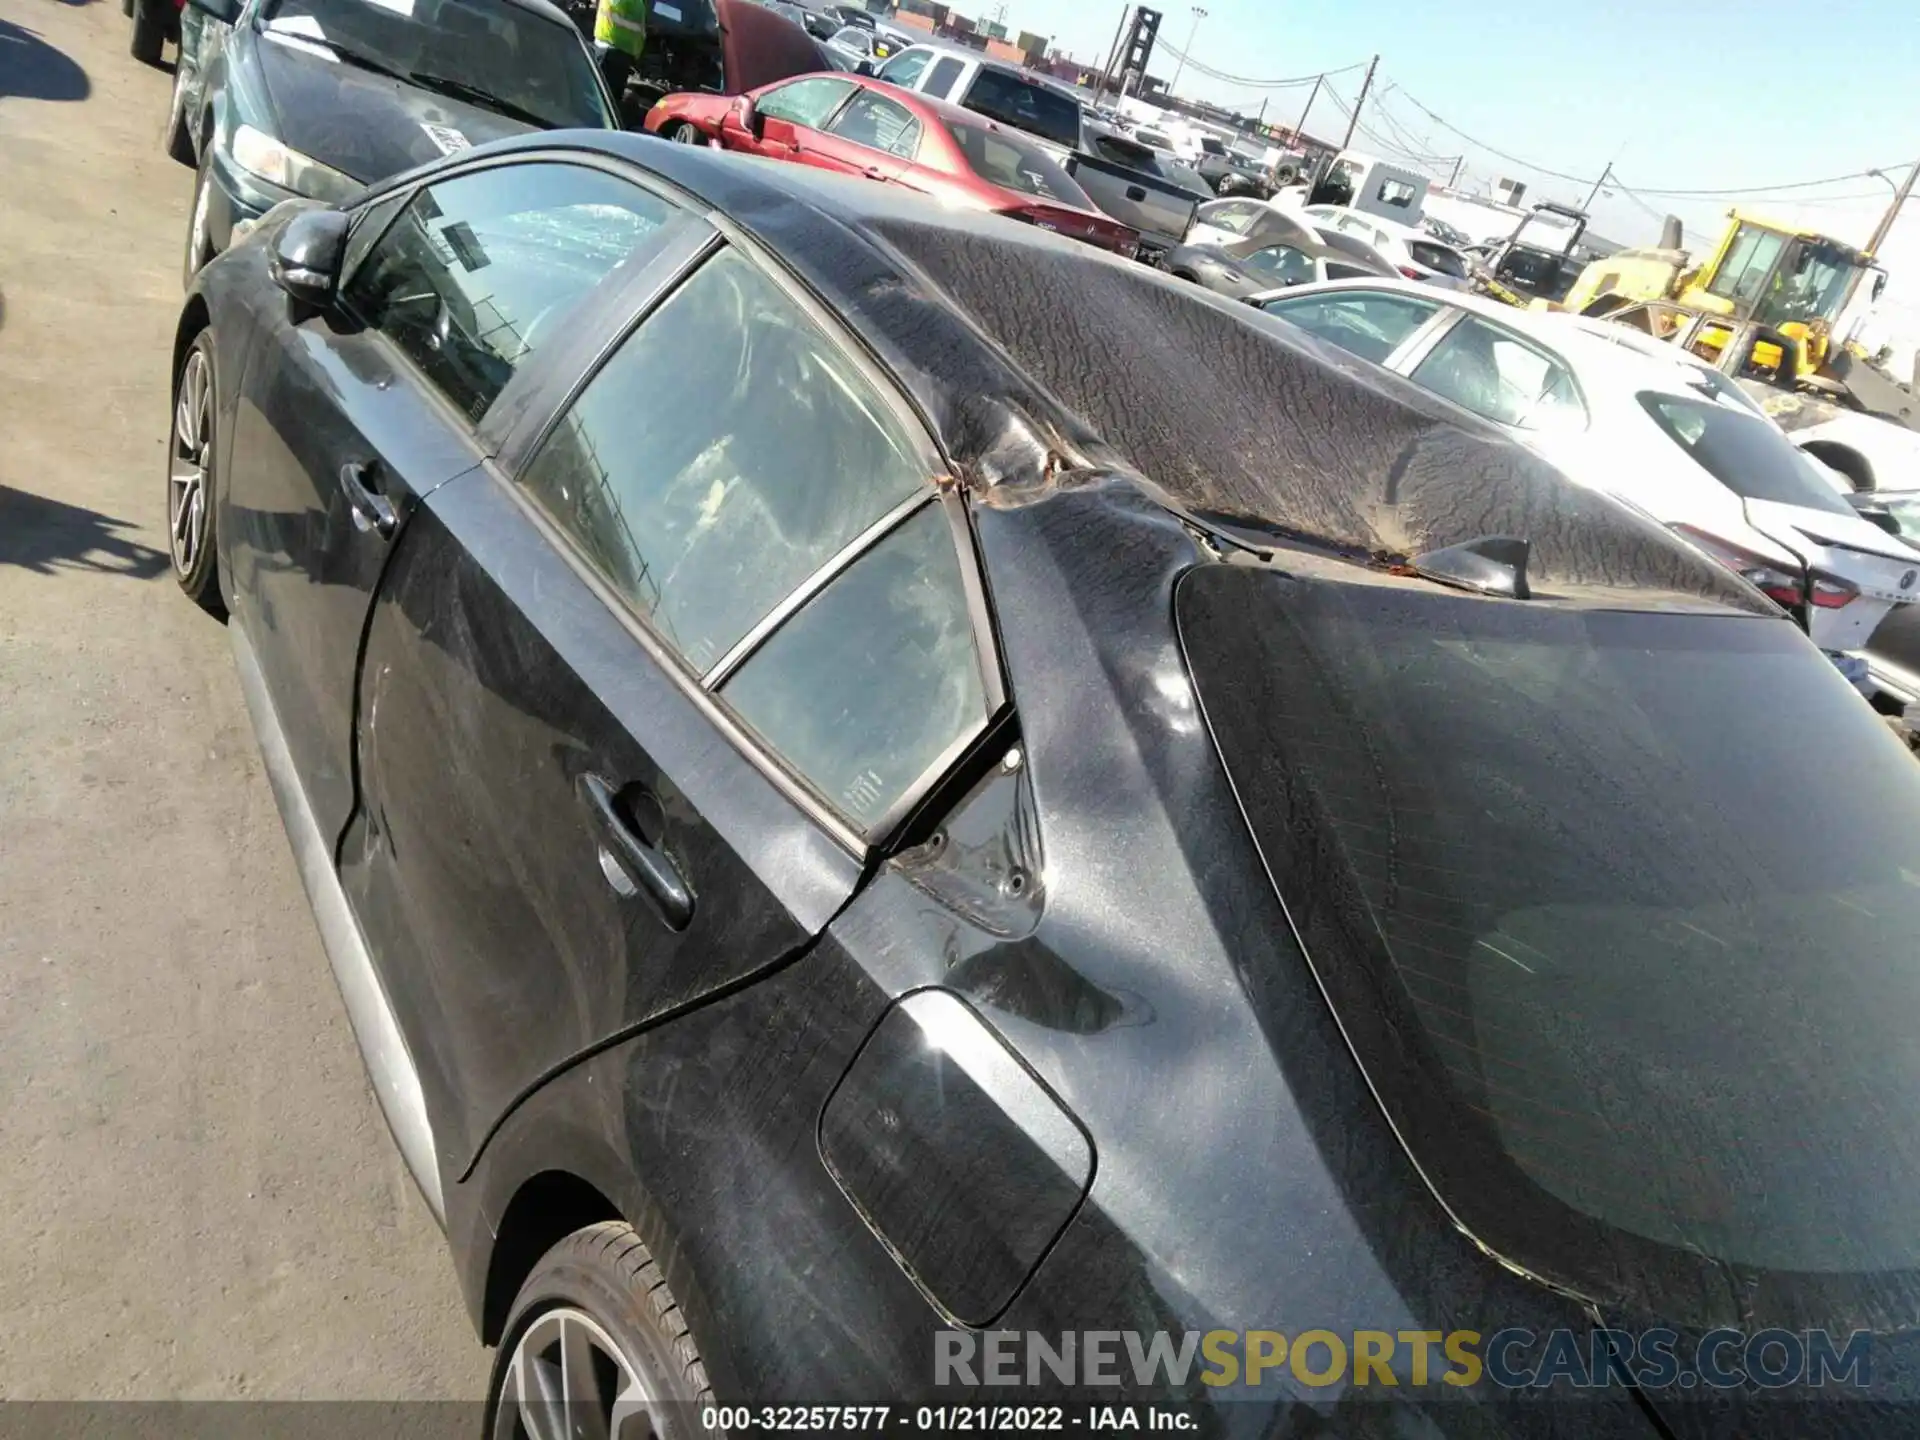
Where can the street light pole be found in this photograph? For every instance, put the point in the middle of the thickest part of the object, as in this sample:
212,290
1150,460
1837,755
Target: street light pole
1893,211
1198,16
1353,120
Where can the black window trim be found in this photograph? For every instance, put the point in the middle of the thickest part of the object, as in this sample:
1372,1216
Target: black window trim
662,278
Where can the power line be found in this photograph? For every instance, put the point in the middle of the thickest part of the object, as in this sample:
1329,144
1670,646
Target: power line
1292,82
1674,192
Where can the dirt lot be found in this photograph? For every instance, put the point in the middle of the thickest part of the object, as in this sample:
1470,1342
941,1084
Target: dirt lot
198,1197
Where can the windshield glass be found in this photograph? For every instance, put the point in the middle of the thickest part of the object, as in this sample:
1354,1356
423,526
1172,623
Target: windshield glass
1741,451
1644,1019
495,55
1025,106
1017,164
1814,289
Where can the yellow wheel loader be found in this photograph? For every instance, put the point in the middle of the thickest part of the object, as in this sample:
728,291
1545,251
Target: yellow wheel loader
1764,307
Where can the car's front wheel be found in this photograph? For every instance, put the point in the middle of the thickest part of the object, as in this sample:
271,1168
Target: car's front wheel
190,460
685,132
596,1345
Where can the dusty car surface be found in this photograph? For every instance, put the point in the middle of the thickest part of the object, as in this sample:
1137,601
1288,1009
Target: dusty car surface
843,826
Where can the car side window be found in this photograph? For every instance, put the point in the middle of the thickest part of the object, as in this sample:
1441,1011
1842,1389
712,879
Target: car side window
805,102
1337,271
724,452
875,679
1286,265
1500,377
905,68
1369,323
879,124
940,82
480,271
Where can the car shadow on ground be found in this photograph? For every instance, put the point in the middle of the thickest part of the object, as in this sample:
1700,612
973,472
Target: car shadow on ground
31,69
45,535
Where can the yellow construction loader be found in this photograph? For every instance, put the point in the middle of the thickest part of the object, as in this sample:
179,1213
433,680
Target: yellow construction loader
1764,306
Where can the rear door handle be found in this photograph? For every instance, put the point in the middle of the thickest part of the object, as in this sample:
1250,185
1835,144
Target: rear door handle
630,862
1136,192
874,172
372,511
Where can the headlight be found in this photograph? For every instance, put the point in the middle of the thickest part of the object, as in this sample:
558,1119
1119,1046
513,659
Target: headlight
258,153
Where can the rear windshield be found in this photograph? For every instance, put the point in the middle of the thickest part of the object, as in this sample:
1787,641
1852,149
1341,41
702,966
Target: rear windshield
1617,912
1017,164
1025,106
1742,451
1437,257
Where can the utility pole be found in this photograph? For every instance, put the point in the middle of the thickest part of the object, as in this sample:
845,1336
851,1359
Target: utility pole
1113,54
1893,210
1353,120
1198,16
1454,178
1312,95
1594,194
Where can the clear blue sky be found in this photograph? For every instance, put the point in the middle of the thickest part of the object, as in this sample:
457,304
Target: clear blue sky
1810,90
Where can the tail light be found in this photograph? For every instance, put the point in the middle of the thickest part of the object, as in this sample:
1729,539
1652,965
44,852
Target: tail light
1784,587
1830,592
1411,273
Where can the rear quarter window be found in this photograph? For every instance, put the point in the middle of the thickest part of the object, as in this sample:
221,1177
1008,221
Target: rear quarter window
1025,105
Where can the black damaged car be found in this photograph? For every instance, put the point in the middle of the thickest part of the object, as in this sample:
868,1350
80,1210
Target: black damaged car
316,98
871,858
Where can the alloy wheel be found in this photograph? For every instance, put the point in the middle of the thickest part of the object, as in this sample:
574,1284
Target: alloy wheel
188,504
686,133
568,1378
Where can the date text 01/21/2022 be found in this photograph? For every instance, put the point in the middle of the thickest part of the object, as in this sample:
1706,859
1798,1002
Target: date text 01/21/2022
819,1419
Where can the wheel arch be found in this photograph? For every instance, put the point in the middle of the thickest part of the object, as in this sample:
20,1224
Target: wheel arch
546,1209
194,317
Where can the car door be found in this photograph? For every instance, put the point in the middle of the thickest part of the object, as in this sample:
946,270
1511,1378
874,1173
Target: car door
787,116
640,696
870,135
348,417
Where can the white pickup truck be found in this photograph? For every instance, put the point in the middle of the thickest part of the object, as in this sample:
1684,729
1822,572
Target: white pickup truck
1116,174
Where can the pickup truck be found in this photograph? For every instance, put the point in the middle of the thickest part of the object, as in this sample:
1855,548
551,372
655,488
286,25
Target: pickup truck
1118,175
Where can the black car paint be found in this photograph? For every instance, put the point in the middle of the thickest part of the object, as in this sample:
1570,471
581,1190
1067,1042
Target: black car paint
688,1099
363,124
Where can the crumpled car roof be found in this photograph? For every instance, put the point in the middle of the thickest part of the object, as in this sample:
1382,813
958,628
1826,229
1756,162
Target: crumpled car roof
1032,355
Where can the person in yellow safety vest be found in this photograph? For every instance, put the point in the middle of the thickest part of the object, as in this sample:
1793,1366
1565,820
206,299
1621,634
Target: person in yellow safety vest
620,35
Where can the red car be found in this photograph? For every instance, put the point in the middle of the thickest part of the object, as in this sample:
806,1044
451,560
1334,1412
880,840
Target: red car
859,126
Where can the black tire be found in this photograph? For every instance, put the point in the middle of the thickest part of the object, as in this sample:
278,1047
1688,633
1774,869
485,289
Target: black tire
193,544
607,1272
149,32
126,7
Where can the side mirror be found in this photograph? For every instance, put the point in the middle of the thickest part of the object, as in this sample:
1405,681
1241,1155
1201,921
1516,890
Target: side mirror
748,118
864,67
307,254
227,12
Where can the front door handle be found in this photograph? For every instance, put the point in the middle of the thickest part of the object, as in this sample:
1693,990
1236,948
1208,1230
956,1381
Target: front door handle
874,172
372,511
1136,192
626,855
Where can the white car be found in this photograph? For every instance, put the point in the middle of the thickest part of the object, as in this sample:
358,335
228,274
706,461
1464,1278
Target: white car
1856,451
1666,433
1414,253
857,45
